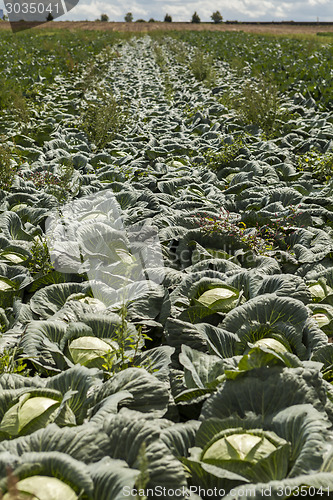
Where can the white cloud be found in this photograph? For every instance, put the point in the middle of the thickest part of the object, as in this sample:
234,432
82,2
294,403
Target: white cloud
182,10
318,2
252,9
95,8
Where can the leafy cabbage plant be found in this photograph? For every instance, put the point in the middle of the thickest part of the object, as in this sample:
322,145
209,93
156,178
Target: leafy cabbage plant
204,294
231,451
221,299
33,408
250,454
281,318
89,235
17,419
43,488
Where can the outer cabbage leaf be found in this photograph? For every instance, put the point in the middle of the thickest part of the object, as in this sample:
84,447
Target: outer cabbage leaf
53,464
50,299
150,395
307,484
266,391
277,317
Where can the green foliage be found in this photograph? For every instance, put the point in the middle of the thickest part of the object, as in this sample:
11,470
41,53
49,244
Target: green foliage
11,98
58,184
167,18
195,18
287,62
217,17
104,119
128,348
104,18
40,261
128,17
259,104
66,172
11,363
177,49
7,171
225,224
225,154
321,165
202,67
159,56
163,65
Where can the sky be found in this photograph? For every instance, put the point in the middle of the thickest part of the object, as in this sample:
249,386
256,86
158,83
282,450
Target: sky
182,10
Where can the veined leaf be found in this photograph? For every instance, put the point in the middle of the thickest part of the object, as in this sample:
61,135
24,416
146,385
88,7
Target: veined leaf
43,488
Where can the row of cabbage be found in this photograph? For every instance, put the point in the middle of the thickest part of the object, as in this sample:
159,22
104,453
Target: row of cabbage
297,63
179,344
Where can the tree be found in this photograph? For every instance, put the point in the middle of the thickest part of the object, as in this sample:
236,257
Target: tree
217,17
104,18
129,17
167,18
49,17
195,18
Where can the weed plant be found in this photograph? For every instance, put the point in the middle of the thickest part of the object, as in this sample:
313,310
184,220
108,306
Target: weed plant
58,185
10,363
40,261
259,239
103,120
178,50
259,104
13,101
163,65
7,171
97,68
321,165
224,223
159,56
202,67
144,476
128,347
226,154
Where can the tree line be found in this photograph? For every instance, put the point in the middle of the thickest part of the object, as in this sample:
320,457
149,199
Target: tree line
216,18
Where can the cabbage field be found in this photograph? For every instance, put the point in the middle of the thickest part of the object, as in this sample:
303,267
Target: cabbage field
166,266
